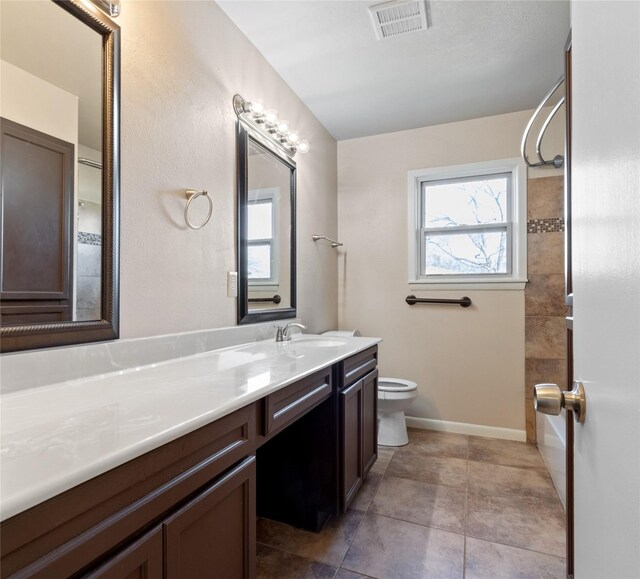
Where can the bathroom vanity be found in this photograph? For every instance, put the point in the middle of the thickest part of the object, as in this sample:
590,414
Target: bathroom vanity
162,470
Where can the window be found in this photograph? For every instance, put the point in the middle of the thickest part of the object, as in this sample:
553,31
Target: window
468,224
262,238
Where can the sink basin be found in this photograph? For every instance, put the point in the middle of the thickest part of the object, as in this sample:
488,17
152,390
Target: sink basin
317,342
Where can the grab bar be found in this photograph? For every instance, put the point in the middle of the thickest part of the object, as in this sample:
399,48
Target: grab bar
275,299
558,160
465,301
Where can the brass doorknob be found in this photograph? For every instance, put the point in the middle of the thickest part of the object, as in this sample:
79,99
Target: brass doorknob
549,399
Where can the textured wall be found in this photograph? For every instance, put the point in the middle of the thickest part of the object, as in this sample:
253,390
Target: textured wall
468,363
182,62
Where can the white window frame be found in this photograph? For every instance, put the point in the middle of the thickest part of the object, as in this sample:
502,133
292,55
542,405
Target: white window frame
517,226
268,195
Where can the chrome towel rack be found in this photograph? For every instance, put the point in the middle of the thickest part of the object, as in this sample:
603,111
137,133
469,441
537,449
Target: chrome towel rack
275,300
464,301
333,242
558,160
192,194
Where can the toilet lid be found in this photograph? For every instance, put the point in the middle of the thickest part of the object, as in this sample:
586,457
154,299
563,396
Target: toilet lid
396,385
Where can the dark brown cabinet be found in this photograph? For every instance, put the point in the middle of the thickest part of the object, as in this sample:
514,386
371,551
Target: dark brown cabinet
369,421
213,535
188,509
358,415
141,560
351,406
36,226
359,424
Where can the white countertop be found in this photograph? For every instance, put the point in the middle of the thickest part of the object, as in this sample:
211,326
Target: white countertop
58,436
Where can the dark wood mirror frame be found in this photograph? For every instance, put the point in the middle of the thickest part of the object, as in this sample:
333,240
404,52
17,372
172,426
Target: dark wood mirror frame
244,315
26,337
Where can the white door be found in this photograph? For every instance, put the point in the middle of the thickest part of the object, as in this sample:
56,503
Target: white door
606,284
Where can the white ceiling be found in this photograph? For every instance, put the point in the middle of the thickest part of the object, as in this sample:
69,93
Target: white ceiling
479,58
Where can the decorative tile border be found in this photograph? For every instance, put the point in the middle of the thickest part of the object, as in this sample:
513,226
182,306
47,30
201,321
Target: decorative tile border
89,238
552,225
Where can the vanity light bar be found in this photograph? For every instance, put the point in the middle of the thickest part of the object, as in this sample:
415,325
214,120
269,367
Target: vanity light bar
268,123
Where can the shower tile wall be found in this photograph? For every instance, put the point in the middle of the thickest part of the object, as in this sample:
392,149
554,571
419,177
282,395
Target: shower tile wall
89,264
545,310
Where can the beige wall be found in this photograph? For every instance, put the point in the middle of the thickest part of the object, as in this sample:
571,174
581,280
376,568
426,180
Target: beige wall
182,62
30,101
468,363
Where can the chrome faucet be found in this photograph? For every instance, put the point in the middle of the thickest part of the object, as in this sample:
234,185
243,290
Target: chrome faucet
283,333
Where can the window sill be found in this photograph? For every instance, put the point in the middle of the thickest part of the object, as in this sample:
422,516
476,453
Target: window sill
516,285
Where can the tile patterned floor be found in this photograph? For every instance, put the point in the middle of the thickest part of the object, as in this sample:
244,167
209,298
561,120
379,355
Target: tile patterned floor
444,506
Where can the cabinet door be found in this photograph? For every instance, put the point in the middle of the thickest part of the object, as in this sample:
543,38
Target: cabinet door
36,226
214,534
351,401
140,560
369,420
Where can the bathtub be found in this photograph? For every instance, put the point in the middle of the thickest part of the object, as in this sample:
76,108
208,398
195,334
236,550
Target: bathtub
551,437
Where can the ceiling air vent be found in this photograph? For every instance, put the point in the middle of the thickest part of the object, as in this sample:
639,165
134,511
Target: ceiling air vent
399,17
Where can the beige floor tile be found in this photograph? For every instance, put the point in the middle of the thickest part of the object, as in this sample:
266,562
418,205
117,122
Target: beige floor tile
385,454
492,479
367,490
346,574
274,564
416,465
504,452
425,504
390,549
493,561
531,523
438,443
328,546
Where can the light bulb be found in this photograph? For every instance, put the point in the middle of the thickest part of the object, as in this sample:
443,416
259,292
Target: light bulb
271,118
257,109
293,139
283,128
303,146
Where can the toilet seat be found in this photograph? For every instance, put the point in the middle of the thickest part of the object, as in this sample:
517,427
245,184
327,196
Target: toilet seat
396,385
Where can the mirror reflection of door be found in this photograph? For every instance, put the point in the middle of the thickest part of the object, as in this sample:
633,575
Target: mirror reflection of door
52,123
268,231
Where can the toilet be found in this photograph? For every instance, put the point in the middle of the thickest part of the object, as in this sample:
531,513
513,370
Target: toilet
394,397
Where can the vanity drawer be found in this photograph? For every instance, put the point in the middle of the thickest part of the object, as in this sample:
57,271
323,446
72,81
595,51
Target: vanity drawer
286,405
358,365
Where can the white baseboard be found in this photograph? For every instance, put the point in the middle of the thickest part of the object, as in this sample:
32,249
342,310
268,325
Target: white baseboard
464,428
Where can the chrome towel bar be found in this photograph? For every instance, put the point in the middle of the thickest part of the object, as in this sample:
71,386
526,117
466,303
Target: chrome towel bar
464,302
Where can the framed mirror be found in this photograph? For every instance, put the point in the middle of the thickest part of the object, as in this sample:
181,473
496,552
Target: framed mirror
59,119
266,230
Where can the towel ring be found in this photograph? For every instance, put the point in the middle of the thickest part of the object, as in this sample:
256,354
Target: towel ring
192,194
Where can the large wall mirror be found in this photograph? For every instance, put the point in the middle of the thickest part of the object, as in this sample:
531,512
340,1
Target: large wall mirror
266,230
59,114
